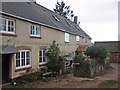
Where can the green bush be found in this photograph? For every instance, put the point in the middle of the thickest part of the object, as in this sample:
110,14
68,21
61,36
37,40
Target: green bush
97,53
54,60
81,67
31,75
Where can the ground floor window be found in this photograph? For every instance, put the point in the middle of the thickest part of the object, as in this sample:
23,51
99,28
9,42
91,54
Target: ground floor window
23,58
42,56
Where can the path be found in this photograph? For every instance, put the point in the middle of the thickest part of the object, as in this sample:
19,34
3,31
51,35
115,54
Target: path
74,82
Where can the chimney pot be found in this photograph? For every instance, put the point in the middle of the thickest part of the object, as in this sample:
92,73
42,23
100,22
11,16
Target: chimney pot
75,19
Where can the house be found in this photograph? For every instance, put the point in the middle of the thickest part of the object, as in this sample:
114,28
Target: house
113,49
27,29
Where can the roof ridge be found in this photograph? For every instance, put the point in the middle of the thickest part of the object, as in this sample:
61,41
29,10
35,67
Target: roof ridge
43,15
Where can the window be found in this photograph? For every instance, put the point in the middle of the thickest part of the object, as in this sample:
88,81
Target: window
67,37
56,18
35,30
77,38
7,25
42,56
23,58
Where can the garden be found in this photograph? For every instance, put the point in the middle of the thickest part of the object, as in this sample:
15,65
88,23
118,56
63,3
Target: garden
87,67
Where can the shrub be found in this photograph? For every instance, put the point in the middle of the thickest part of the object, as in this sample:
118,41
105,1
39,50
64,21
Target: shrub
31,75
54,61
81,67
97,53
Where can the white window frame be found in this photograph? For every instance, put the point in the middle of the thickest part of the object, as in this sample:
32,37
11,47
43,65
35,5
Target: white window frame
6,30
67,37
42,57
77,38
20,51
35,30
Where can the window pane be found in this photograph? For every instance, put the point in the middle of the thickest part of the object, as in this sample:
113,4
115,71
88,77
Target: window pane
27,54
17,63
37,30
23,62
66,37
8,28
31,32
23,55
43,53
27,61
40,53
40,59
12,23
18,59
12,29
18,55
9,23
77,38
44,59
3,24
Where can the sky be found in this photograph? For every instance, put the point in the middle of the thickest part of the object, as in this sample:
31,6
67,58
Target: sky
98,18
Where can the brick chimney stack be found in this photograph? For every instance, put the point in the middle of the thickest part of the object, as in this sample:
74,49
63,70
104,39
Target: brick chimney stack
75,19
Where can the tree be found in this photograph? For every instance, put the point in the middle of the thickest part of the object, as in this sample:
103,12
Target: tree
63,10
97,53
53,54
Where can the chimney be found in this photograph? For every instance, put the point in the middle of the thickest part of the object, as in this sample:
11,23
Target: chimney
75,19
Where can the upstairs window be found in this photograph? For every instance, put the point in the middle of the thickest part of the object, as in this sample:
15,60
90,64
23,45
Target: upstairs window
35,30
7,25
77,38
67,37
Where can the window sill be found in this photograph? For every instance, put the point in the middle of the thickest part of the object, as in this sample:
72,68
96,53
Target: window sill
35,37
42,64
77,42
67,42
21,69
8,34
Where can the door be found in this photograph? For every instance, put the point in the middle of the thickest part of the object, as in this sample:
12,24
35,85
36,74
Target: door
5,67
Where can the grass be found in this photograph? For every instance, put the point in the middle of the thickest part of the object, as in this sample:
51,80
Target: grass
27,84
34,83
108,83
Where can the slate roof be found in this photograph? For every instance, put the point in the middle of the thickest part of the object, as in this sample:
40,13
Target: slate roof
38,13
110,46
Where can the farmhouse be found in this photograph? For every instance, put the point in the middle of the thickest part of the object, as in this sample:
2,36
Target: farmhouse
27,29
